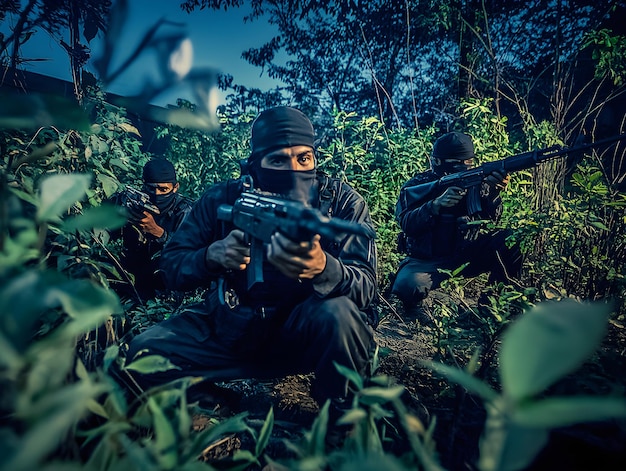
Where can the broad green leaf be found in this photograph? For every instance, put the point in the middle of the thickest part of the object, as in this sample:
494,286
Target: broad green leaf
109,185
564,411
87,304
151,364
59,193
119,163
548,342
106,216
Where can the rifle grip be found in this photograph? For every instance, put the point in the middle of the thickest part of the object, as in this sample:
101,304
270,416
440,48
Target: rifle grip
255,268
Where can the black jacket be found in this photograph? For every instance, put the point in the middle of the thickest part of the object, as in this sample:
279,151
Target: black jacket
429,236
350,267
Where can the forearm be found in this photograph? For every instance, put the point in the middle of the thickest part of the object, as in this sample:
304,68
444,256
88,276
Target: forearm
356,281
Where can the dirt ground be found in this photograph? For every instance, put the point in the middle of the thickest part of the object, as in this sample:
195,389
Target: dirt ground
459,416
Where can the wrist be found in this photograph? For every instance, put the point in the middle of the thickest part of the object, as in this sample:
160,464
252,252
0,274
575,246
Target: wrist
210,259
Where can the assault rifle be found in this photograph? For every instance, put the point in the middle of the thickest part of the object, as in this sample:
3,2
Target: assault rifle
471,179
259,216
136,202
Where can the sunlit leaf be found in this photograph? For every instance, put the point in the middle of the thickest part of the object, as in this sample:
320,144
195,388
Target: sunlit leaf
151,364
59,193
109,184
376,395
548,342
352,416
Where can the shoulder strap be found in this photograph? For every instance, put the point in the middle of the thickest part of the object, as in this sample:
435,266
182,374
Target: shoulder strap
327,194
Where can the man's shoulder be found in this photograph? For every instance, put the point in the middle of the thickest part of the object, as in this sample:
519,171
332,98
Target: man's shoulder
421,178
183,202
338,186
223,191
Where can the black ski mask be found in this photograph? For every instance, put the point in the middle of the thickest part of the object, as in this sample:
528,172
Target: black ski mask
274,129
450,152
160,171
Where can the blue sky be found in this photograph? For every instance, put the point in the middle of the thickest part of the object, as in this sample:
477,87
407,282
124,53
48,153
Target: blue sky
218,40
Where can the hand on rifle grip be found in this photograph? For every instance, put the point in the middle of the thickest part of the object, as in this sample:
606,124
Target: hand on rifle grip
297,260
232,252
449,198
149,226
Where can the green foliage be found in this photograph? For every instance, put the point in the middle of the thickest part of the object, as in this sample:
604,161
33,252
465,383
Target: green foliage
203,159
563,335
609,50
375,161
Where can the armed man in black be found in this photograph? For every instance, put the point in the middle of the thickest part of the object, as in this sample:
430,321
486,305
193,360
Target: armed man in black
147,231
312,308
437,230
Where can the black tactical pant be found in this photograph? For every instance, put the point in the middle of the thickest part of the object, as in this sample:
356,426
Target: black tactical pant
488,253
216,343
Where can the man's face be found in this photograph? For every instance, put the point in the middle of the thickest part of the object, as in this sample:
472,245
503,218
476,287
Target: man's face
297,158
447,166
160,188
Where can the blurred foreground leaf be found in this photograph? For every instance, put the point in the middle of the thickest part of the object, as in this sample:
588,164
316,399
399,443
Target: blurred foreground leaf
59,193
547,343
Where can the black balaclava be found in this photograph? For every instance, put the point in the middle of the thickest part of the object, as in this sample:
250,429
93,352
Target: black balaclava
452,146
277,128
160,171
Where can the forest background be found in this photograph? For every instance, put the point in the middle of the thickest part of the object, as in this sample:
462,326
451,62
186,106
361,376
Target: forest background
380,80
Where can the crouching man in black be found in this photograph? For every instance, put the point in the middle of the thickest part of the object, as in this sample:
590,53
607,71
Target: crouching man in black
438,231
310,310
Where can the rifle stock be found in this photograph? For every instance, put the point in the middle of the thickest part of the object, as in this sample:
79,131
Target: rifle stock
259,216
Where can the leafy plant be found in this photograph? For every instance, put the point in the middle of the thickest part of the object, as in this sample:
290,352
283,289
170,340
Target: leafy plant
547,343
